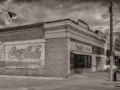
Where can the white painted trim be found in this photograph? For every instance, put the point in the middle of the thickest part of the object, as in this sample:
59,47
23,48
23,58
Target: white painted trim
82,53
68,55
58,23
69,22
74,35
26,41
85,30
84,38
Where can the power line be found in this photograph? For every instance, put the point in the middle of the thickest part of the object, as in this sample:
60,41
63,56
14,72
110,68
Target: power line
118,4
105,3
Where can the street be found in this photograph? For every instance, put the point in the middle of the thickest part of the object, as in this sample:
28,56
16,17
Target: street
75,82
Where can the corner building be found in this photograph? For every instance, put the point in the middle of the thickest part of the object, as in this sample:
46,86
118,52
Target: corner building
56,49
73,48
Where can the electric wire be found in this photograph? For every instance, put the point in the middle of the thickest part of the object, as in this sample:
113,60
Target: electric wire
105,3
118,3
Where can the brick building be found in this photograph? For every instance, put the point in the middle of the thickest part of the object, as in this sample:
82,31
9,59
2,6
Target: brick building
75,47
57,49
20,50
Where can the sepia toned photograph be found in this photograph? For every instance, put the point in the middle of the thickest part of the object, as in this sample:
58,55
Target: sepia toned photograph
59,44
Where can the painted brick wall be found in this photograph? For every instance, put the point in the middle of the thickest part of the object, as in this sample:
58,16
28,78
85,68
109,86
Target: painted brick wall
21,71
56,57
21,34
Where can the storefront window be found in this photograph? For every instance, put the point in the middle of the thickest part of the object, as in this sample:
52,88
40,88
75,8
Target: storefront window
83,61
98,50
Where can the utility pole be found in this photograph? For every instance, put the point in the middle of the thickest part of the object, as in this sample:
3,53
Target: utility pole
111,40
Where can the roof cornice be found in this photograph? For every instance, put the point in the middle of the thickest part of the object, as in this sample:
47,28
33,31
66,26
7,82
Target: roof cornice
69,22
22,27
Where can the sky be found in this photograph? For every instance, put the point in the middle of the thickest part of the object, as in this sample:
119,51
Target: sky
94,12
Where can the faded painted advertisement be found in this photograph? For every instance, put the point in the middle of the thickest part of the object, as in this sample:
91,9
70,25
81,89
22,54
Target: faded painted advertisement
29,52
25,55
80,47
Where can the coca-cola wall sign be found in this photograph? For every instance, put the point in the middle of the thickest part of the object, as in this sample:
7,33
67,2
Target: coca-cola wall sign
25,54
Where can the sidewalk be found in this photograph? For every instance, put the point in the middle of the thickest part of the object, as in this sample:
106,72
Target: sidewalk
101,75
75,82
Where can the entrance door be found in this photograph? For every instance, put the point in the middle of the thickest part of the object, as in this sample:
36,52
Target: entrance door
98,63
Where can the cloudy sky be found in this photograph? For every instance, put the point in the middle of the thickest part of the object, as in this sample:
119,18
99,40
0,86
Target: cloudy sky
93,12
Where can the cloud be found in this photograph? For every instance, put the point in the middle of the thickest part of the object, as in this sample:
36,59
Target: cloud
1,1
93,12
23,1
2,22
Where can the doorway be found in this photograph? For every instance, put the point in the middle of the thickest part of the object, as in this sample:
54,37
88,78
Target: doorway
98,63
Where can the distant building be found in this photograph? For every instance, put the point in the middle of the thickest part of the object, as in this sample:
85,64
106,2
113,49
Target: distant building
56,48
116,47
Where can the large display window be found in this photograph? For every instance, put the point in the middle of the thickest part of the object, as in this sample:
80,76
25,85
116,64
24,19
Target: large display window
82,61
78,61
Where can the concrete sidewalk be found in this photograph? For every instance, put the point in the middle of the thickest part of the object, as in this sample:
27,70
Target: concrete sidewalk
101,75
75,82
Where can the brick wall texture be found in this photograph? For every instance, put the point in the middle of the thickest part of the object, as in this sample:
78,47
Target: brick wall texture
22,34
56,57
